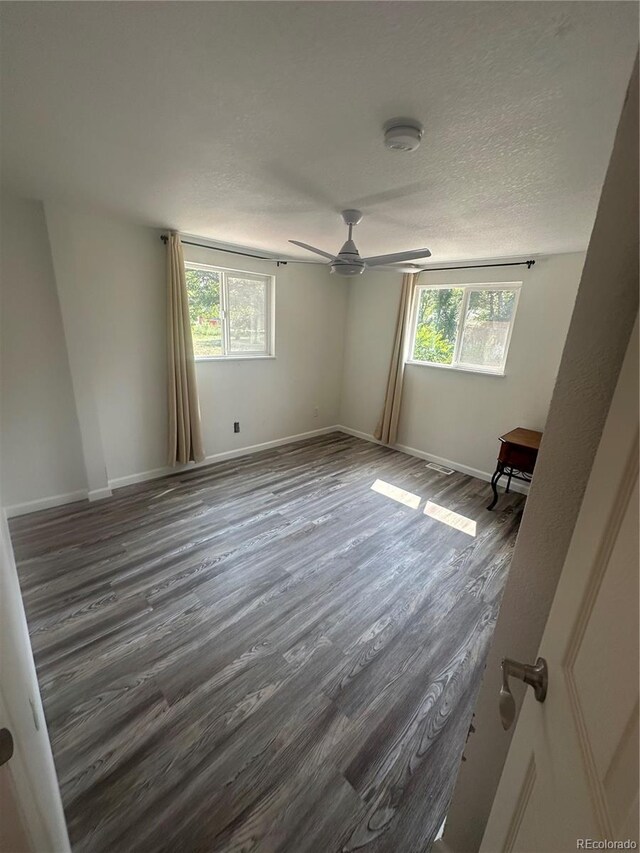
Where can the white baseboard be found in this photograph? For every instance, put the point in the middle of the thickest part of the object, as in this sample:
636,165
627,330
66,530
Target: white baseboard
447,463
516,486
99,494
357,434
142,477
266,445
45,503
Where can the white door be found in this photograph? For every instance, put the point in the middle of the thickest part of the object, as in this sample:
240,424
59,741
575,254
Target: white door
31,816
14,837
572,768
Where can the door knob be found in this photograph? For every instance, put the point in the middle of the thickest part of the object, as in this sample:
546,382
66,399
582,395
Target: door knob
6,746
535,676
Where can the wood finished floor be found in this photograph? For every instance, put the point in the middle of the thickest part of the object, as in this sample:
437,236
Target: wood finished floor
265,654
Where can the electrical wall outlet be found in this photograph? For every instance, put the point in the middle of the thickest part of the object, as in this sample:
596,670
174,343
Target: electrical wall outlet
236,426
316,412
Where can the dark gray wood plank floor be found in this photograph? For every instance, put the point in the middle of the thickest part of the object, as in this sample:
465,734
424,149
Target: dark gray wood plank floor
266,654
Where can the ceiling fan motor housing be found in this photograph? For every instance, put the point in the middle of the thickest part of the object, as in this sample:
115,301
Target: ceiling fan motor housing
343,266
348,261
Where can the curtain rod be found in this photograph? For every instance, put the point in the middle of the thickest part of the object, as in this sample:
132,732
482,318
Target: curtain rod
165,239
528,264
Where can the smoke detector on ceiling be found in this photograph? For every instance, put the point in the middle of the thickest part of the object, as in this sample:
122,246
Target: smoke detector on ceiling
401,134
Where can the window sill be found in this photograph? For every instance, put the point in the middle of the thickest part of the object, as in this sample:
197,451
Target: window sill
457,367
223,358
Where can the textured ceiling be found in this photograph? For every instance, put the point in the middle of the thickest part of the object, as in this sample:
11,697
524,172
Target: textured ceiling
252,123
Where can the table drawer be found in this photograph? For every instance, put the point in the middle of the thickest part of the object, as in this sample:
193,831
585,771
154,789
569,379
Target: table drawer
520,458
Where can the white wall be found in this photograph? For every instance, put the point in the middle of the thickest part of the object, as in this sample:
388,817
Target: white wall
31,767
606,308
451,414
111,279
35,377
86,396
39,424
97,418
277,397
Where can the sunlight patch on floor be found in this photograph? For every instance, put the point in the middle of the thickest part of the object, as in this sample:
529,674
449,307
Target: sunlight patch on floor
433,510
453,519
402,496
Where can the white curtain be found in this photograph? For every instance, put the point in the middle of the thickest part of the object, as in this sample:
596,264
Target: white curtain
185,432
387,429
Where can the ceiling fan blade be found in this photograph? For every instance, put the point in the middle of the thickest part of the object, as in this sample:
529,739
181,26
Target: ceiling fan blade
391,194
378,260
403,268
313,249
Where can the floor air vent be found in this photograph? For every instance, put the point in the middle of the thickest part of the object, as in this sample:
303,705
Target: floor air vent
440,468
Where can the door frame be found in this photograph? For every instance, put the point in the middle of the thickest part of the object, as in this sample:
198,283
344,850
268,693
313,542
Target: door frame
31,766
604,314
610,490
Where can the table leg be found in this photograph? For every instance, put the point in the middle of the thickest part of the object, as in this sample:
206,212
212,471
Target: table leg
494,484
509,480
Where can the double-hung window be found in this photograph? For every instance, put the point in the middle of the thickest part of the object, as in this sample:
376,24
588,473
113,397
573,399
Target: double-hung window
231,312
463,326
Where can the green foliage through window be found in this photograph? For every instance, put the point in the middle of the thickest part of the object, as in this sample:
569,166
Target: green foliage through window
466,326
243,328
437,325
203,289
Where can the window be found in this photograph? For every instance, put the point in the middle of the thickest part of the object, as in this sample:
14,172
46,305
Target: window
467,327
231,312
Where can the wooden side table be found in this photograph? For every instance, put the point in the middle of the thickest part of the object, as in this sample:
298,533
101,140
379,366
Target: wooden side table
516,458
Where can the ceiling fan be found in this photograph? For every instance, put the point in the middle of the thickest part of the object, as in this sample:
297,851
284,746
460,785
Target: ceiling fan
348,260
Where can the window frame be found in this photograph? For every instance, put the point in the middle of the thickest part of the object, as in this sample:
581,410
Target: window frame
467,290
270,280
